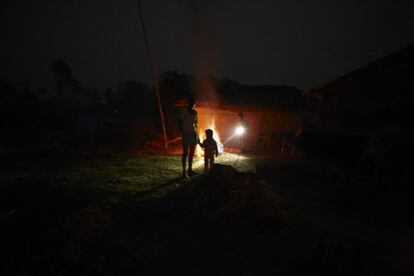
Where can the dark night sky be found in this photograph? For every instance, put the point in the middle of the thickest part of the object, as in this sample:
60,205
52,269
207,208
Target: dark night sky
299,43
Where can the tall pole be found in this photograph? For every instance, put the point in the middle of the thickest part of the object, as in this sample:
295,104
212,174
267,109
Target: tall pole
153,71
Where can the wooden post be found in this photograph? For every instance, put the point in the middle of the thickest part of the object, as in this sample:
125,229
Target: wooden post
153,72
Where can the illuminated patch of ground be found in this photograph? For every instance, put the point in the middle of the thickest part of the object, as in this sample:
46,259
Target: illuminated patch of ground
150,175
240,162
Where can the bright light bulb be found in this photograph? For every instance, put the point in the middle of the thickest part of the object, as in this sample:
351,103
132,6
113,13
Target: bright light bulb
239,130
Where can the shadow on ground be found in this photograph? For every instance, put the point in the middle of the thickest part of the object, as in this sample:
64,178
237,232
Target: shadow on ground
288,218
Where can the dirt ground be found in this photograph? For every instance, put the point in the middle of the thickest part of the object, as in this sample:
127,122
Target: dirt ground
132,213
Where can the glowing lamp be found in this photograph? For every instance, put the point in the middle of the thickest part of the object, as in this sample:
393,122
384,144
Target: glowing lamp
239,130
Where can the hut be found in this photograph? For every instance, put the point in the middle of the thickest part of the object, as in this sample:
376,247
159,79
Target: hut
369,97
365,109
271,113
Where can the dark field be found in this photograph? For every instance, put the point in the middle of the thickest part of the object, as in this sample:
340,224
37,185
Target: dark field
131,214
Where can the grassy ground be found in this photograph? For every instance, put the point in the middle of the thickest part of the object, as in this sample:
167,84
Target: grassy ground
51,208
123,214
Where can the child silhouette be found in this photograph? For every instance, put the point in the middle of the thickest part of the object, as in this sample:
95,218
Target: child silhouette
210,149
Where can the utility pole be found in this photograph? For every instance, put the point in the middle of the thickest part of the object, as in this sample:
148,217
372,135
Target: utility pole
153,72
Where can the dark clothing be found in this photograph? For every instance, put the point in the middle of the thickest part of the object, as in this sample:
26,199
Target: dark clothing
210,147
210,150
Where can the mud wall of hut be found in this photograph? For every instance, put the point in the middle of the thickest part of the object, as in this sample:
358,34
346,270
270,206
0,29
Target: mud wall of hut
262,123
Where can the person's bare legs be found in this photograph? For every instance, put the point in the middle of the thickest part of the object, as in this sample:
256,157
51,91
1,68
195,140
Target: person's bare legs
184,159
208,162
190,159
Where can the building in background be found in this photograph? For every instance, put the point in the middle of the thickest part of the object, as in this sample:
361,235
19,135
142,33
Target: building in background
366,114
271,113
377,95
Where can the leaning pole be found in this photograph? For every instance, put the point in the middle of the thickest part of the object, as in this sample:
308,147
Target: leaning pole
153,72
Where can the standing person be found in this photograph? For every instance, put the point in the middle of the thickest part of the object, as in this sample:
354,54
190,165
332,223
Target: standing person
243,124
210,149
187,123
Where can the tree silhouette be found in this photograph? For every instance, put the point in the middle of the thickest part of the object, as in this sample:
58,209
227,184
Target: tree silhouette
134,99
62,74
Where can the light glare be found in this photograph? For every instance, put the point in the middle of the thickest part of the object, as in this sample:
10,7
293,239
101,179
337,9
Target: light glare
239,130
